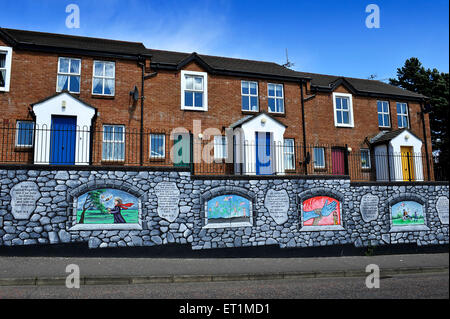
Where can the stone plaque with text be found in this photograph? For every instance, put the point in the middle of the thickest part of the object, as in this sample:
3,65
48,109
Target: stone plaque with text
369,207
23,199
168,198
442,209
277,203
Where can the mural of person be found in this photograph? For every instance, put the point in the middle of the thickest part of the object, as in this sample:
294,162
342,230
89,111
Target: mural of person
118,206
335,218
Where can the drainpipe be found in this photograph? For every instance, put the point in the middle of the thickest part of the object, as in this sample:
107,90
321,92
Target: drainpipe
422,116
141,143
303,127
141,63
388,161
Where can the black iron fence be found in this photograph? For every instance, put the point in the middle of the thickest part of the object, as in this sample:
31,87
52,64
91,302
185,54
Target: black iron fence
66,145
118,145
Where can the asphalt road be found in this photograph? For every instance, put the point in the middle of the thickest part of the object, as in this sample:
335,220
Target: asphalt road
414,286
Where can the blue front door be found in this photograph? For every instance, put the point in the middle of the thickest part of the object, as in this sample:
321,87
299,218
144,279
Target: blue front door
63,140
263,154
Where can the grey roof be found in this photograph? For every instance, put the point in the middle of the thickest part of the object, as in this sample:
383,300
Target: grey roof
241,121
248,118
318,81
360,85
386,136
51,40
219,63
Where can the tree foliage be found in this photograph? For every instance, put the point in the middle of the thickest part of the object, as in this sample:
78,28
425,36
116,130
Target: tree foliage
435,85
92,200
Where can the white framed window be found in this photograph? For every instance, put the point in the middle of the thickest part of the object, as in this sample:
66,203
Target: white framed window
402,115
220,147
103,79
157,146
69,75
383,114
24,133
343,110
113,143
289,154
319,157
249,92
194,91
275,97
365,158
5,68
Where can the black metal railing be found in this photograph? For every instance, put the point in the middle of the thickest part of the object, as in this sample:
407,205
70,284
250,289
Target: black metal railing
118,145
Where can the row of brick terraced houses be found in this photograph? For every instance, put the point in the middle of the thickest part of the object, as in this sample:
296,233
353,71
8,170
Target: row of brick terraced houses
68,100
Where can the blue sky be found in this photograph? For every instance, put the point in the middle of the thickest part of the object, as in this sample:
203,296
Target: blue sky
328,37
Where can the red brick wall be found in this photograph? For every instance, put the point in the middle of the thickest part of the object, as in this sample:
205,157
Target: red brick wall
34,77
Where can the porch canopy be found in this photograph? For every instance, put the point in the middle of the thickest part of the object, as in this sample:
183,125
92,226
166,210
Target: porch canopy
63,130
398,156
257,145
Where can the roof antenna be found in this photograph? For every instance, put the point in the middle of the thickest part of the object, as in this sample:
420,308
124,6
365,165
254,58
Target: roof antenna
288,64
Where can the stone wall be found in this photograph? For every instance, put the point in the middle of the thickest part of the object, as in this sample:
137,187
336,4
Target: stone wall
51,219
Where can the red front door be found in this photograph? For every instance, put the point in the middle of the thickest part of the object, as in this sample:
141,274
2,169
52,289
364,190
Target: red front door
338,161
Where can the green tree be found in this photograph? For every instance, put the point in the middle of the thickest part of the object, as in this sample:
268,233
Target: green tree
435,85
92,201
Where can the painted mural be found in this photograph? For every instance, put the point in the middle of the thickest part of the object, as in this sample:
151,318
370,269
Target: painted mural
407,213
228,207
107,206
321,211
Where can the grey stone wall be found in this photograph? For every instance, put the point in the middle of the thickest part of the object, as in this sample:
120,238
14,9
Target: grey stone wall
51,220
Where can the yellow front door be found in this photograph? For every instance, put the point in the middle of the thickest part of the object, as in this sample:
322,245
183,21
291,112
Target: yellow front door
407,163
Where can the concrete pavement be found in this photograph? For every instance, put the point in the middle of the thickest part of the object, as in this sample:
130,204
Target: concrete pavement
52,270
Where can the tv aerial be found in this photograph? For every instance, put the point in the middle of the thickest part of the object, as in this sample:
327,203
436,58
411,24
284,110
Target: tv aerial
288,64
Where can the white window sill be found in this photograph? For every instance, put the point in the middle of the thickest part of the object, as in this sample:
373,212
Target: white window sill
409,228
193,108
345,125
227,225
106,227
66,91
322,228
102,95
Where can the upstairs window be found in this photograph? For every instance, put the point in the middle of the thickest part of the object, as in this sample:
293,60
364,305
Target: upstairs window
103,82
5,68
25,133
249,91
402,115
343,110
113,143
275,97
383,114
194,94
69,71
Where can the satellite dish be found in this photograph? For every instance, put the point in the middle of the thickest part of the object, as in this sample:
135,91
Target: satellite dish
308,158
135,94
427,108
